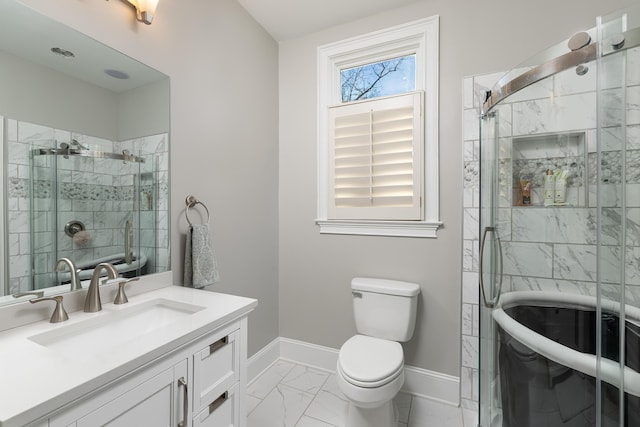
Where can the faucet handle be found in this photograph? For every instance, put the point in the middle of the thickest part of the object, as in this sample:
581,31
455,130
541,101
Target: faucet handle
38,294
121,297
59,313
108,281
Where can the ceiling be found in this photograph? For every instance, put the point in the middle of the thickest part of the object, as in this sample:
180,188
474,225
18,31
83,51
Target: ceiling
289,19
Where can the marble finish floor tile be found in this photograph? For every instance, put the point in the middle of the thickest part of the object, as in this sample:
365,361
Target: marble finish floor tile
291,395
267,380
283,406
330,405
427,413
305,379
311,422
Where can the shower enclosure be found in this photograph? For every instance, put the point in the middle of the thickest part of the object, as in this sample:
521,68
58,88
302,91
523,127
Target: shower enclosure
560,235
87,203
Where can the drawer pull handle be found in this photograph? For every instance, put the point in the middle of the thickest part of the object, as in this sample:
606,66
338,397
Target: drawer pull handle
219,401
185,402
218,344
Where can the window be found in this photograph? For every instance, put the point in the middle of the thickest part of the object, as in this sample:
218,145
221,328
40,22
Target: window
377,133
381,78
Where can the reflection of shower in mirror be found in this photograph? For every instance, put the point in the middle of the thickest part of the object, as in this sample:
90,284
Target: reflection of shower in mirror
75,199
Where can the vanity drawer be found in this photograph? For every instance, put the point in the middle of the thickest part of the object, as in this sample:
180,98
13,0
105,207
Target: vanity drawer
224,411
215,369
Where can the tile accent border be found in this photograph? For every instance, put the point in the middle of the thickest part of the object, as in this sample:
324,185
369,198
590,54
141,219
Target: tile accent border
420,382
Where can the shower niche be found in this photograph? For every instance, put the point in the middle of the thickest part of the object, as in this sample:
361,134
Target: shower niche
549,170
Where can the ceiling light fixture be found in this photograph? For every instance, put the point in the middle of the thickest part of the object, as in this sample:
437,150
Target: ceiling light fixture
145,9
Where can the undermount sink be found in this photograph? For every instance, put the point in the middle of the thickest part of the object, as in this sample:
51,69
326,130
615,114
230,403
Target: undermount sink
115,328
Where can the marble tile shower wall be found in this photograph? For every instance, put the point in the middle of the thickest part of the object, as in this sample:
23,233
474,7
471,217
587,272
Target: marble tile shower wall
153,197
553,248
98,192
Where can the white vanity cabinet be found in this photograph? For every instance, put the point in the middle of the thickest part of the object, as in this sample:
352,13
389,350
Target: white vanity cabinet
201,383
216,376
149,403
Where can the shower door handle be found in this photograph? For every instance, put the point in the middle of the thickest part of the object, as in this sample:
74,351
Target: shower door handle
494,301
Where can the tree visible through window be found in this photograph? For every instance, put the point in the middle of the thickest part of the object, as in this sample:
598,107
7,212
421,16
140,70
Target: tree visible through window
383,78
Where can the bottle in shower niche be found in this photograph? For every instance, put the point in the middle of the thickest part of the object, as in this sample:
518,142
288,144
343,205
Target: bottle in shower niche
525,187
560,193
549,188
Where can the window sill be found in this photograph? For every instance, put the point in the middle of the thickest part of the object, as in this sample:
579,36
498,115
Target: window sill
380,228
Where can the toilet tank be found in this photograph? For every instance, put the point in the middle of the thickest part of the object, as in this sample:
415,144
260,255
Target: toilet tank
385,308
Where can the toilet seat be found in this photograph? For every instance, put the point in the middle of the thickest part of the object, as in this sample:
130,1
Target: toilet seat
370,362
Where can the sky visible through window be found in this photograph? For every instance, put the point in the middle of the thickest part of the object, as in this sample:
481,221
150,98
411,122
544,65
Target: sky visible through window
383,78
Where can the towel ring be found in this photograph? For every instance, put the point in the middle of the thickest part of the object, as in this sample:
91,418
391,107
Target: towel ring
192,202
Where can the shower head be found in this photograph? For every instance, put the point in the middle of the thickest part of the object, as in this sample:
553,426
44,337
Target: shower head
65,147
77,144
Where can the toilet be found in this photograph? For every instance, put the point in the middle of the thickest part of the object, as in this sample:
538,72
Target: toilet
370,369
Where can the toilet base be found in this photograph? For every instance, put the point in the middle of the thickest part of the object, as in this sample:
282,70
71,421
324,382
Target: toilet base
382,416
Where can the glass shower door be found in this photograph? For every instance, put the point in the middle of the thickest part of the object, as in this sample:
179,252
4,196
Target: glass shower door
560,330
86,206
490,275
618,206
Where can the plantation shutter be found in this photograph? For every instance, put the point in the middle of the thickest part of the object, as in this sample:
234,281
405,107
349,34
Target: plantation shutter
375,152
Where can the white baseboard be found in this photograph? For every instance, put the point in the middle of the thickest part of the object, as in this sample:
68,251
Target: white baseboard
264,358
421,382
325,358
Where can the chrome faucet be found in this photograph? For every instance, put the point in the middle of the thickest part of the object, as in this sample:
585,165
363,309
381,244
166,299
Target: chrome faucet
75,279
92,303
128,242
59,313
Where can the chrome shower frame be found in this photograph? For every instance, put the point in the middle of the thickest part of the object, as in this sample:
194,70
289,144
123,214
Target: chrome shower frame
124,156
503,89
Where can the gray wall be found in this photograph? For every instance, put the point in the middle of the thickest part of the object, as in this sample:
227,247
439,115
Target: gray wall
223,70
41,95
38,94
141,111
315,270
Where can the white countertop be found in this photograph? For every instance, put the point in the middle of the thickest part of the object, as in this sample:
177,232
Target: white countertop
37,380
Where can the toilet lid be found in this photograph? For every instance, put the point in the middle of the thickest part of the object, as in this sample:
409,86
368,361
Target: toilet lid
368,359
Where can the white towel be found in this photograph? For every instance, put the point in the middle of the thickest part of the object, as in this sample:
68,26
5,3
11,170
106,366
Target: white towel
200,265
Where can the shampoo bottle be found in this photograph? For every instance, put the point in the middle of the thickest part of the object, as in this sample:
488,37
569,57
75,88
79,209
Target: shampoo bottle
549,188
560,187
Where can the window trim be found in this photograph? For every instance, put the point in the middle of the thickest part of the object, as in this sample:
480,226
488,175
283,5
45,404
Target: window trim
419,37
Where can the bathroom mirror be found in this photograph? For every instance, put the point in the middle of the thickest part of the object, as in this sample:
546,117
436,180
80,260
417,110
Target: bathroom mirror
85,163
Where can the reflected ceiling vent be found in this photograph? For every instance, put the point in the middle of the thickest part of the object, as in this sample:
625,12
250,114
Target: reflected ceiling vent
117,74
63,52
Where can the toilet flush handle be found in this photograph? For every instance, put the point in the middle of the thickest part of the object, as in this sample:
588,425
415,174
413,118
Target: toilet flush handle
356,294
